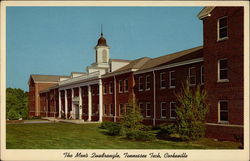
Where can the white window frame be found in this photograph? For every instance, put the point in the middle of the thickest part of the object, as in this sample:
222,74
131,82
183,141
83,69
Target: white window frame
110,109
202,73
189,76
125,90
218,71
105,110
105,88
218,29
111,86
141,109
140,83
219,120
162,109
170,78
147,80
161,80
120,108
170,107
148,103
121,85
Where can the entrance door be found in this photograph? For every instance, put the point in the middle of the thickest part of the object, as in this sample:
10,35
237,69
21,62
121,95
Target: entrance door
76,111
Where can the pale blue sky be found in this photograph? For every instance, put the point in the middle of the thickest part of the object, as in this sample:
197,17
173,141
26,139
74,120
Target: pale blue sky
59,40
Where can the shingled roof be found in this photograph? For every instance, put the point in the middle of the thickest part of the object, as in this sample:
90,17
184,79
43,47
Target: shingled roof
173,58
47,78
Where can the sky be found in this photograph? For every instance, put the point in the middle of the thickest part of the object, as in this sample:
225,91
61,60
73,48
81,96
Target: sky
61,40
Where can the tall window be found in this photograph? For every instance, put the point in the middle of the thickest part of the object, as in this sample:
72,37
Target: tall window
120,86
105,88
222,28
172,79
126,85
163,80
163,109
121,107
112,112
202,74
223,70
148,109
105,109
140,83
141,108
223,111
111,87
172,110
148,82
192,76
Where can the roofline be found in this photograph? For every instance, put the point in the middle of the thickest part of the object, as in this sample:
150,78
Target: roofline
201,16
186,62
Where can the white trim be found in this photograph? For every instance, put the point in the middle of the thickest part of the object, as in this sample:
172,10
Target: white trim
202,73
124,86
120,109
115,104
161,87
226,125
121,85
111,82
110,109
170,78
218,71
189,76
219,120
218,29
146,80
139,83
93,82
165,110
187,62
44,82
170,107
148,103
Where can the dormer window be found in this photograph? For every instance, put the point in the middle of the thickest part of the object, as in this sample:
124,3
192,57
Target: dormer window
222,28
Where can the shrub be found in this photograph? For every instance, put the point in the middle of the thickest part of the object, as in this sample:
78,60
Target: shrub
140,135
113,128
190,113
13,115
105,124
167,129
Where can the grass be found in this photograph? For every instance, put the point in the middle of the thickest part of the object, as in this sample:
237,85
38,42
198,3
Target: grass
89,136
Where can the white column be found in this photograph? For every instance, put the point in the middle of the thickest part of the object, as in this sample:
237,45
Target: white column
72,104
66,104
60,104
100,101
89,103
80,103
115,98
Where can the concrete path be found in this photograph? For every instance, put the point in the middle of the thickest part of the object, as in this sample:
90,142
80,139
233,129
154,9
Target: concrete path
52,119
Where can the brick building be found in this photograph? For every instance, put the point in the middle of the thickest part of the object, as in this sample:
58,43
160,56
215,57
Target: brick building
103,92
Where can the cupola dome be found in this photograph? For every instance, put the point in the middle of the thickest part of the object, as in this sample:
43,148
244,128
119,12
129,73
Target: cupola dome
102,41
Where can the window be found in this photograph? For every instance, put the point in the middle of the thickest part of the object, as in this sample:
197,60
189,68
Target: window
122,111
141,108
202,74
163,109
172,110
192,76
223,111
104,54
111,87
148,82
126,85
105,88
111,110
148,110
105,109
172,79
120,86
222,28
223,70
163,80
140,83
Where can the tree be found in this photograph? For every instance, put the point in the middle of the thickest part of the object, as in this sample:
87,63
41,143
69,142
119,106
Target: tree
191,111
16,103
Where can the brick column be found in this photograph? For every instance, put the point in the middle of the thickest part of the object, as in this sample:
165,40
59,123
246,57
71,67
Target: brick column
89,103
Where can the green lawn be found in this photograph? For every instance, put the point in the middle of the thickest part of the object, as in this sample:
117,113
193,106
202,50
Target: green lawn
89,136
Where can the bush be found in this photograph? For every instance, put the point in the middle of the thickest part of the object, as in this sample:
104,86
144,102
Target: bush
13,115
105,124
113,128
167,129
140,135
